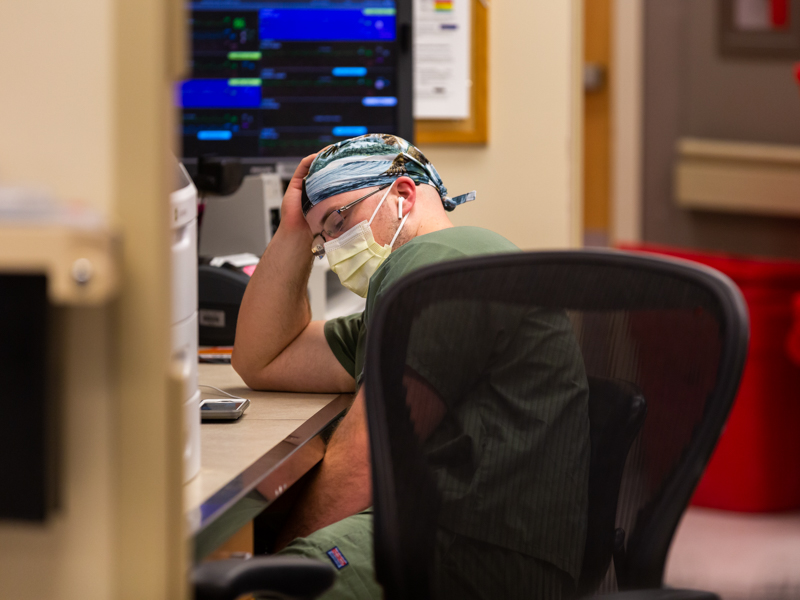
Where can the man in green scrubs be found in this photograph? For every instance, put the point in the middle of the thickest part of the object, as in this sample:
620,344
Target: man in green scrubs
378,209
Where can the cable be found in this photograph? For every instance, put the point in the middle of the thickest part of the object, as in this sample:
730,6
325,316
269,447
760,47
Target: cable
221,391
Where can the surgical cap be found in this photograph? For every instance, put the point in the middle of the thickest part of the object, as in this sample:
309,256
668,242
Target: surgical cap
370,160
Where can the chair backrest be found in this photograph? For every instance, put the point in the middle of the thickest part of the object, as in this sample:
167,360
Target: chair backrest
617,411
489,381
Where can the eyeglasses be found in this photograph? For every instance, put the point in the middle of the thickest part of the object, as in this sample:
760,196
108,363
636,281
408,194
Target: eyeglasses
334,224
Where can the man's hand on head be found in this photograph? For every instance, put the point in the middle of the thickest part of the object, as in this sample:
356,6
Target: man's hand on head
276,346
291,209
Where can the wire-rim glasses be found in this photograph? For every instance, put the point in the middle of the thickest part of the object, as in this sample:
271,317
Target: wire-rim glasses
334,224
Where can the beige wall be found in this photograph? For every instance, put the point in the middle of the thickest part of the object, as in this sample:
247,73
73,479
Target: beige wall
56,100
528,175
85,114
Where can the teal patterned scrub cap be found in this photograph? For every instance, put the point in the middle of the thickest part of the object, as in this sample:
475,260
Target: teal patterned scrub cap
370,160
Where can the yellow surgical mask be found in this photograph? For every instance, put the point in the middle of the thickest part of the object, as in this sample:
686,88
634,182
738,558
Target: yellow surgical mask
355,255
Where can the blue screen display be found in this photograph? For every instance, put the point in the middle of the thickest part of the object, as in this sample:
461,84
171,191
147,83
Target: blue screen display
218,93
337,25
286,78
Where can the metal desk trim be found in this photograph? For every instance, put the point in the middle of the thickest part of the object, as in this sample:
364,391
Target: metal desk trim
255,488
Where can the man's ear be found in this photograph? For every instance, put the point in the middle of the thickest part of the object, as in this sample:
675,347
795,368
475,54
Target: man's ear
407,190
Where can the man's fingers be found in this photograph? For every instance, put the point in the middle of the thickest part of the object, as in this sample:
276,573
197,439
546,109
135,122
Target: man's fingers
291,207
302,169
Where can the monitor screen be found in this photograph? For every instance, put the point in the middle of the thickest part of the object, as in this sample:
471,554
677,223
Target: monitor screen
273,80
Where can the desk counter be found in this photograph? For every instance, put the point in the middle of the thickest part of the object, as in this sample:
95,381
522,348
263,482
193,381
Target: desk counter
247,464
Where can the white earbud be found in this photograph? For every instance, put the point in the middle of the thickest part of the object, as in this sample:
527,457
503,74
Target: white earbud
400,207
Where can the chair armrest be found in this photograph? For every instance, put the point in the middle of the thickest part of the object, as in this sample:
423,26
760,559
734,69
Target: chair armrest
660,594
299,578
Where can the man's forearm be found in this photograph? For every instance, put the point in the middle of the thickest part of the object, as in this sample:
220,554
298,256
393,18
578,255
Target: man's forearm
275,307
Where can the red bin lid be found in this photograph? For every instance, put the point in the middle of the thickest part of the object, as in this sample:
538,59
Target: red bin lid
744,270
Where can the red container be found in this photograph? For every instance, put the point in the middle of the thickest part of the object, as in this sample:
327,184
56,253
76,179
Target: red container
756,465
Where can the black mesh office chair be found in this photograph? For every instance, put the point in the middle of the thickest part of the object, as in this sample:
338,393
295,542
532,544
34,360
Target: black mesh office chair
532,415
263,577
616,413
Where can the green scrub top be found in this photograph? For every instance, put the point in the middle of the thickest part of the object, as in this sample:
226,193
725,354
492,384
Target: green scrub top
511,458
346,336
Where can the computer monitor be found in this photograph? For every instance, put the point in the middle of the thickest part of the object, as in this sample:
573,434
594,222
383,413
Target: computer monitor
276,80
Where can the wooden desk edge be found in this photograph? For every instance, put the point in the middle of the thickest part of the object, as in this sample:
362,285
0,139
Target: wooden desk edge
255,488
